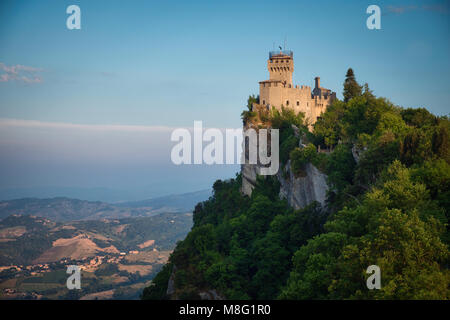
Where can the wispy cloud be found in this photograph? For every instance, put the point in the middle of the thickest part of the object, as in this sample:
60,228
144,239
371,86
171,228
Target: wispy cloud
20,73
440,8
400,9
4,123
18,123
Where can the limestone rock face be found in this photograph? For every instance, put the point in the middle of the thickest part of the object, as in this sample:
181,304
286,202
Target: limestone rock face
299,191
302,191
249,173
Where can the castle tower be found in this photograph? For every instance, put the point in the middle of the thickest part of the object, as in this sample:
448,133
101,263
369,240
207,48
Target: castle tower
281,66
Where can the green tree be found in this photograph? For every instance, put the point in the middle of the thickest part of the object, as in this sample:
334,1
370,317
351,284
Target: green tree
300,157
351,87
251,100
440,141
328,128
419,117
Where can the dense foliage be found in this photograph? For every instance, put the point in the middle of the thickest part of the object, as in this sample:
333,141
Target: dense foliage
388,205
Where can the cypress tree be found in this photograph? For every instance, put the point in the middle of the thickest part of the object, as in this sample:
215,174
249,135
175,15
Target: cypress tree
351,87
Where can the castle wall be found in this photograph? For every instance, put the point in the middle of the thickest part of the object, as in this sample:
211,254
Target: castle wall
277,94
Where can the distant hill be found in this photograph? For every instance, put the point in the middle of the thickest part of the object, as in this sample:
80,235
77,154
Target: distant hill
63,209
67,209
90,194
104,194
177,202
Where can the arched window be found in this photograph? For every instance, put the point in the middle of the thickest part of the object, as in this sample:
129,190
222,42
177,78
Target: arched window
298,103
287,102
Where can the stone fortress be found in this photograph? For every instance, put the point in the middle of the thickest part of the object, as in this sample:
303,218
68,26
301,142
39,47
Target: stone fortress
280,91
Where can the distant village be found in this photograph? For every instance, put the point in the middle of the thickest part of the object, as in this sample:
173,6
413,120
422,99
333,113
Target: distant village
127,262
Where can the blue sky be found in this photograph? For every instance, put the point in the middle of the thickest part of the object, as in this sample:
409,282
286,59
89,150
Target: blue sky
168,63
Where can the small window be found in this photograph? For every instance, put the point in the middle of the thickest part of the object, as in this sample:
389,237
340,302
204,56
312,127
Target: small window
298,103
287,102
264,102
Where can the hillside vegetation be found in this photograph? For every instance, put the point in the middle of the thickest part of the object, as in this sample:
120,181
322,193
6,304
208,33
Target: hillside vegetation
388,205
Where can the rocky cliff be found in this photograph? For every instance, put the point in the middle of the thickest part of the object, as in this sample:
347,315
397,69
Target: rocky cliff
299,191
